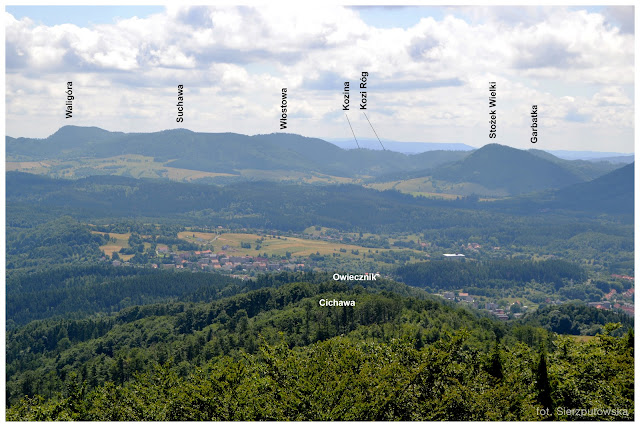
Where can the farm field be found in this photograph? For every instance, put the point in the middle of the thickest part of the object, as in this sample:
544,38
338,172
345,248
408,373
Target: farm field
122,241
302,177
428,187
133,165
278,245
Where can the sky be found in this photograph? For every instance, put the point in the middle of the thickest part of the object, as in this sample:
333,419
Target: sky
428,69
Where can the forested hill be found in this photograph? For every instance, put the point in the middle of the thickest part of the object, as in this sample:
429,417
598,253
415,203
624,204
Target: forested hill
217,152
275,353
493,166
612,193
516,171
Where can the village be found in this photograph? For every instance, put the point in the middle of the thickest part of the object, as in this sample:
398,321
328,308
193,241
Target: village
221,261
504,310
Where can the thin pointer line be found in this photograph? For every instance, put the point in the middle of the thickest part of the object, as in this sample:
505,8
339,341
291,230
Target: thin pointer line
374,131
354,134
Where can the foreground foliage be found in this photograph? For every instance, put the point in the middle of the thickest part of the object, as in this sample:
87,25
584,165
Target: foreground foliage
339,379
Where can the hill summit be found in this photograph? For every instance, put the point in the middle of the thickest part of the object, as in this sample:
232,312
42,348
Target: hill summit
497,166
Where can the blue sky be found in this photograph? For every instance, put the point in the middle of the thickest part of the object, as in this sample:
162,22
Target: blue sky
82,16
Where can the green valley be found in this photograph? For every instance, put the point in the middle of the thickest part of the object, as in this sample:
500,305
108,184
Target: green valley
149,283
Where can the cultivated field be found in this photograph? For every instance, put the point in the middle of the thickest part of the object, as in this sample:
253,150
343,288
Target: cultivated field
431,188
133,165
122,241
278,245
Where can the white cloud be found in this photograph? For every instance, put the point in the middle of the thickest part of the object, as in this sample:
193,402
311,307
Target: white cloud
427,82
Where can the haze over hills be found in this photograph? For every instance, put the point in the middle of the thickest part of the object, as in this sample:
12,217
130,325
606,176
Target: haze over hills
223,157
401,147
585,169
421,147
593,155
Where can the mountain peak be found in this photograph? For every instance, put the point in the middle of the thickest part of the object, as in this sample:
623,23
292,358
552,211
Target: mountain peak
86,132
500,167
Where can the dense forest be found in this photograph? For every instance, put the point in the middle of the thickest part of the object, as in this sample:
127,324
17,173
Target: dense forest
274,353
449,275
78,291
575,319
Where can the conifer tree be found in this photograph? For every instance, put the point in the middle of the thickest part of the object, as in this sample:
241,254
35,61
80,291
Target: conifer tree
542,383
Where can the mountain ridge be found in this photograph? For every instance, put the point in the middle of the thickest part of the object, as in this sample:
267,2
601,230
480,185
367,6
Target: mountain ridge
494,167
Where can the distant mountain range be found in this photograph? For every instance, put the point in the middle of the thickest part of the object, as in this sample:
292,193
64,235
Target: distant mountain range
400,147
594,156
493,167
220,152
421,147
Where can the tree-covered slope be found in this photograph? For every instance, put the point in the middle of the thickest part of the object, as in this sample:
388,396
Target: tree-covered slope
613,192
216,152
500,167
276,354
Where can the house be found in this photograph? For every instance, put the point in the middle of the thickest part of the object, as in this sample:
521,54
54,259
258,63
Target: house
464,296
603,305
448,295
